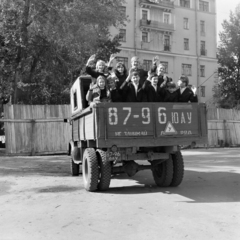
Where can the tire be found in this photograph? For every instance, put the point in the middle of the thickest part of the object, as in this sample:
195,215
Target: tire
105,170
90,170
163,173
178,169
74,168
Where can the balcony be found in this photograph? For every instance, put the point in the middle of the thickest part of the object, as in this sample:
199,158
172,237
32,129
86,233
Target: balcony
167,6
149,25
167,48
203,52
145,45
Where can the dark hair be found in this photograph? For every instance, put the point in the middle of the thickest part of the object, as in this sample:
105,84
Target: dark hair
153,75
135,73
184,79
124,71
171,85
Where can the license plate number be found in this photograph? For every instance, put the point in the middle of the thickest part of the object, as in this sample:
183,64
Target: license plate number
113,156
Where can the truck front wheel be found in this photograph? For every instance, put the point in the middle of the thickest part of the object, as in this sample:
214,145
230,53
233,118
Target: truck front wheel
178,169
74,168
163,173
90,170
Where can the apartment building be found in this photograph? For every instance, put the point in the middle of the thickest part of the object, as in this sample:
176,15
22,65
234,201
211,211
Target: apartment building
181,32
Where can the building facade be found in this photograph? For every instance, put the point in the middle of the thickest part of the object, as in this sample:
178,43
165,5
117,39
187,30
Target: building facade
181,32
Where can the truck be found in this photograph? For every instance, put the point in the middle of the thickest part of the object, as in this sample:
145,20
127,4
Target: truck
113,138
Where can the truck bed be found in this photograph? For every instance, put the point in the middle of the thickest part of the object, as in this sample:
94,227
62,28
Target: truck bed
140,125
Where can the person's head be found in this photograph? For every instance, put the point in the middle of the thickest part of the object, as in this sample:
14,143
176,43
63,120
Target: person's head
135,62
101,82
154,79
100,65
171,87
111,82
135,78
121,68
183,81
160,69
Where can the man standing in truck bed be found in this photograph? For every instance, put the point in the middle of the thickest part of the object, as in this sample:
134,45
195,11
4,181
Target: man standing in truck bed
186,94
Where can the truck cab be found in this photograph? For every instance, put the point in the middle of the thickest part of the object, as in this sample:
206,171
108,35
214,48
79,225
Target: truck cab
113,138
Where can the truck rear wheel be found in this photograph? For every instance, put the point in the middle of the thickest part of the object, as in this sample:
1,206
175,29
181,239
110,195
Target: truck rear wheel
74,168
178,169
163,173
105,171
90,170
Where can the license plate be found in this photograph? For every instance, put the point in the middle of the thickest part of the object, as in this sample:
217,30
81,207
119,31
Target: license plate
113,156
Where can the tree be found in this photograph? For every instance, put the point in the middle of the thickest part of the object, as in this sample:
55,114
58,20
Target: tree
45,43
227,89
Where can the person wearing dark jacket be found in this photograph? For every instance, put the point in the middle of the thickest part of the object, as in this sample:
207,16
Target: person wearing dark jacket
121,74
116,93
100,67
141,72
133,90
160,70
171,93
153,92
186,94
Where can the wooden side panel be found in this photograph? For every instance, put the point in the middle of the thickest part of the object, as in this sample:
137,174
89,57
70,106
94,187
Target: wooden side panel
75,126
176,120
89,126
151,120
81,128
129,120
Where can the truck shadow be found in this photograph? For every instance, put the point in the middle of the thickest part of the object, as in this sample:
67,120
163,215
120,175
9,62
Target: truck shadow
197,187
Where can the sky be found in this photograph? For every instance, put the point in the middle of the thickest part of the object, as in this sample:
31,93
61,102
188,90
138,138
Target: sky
223,10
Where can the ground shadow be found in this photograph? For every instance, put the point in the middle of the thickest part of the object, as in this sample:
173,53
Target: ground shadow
55,166
58,189
206,187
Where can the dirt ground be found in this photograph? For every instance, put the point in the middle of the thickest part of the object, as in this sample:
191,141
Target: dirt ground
40,200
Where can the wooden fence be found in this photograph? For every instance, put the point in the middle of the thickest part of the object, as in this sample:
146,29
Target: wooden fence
36,129
223,127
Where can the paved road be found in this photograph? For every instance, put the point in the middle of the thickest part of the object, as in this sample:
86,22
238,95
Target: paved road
39,200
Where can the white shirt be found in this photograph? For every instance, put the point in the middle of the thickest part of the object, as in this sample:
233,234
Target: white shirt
136,88
155,87
182,89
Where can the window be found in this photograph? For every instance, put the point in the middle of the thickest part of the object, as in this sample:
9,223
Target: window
147,64
186,44
166,18
187,69
145,36
122,35
144,15
75,105
203,6
203,49
167,43
202,71
123,10
202,91
165,64
202,27
185,23
185,3
124,60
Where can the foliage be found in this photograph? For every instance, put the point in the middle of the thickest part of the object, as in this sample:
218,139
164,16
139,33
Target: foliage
45,44
227,89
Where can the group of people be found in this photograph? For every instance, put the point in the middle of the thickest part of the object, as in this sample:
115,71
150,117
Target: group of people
136,85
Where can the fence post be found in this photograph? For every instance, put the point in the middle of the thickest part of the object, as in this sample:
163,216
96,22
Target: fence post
33,123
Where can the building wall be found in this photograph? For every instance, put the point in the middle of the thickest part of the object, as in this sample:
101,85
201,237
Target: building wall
177,55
